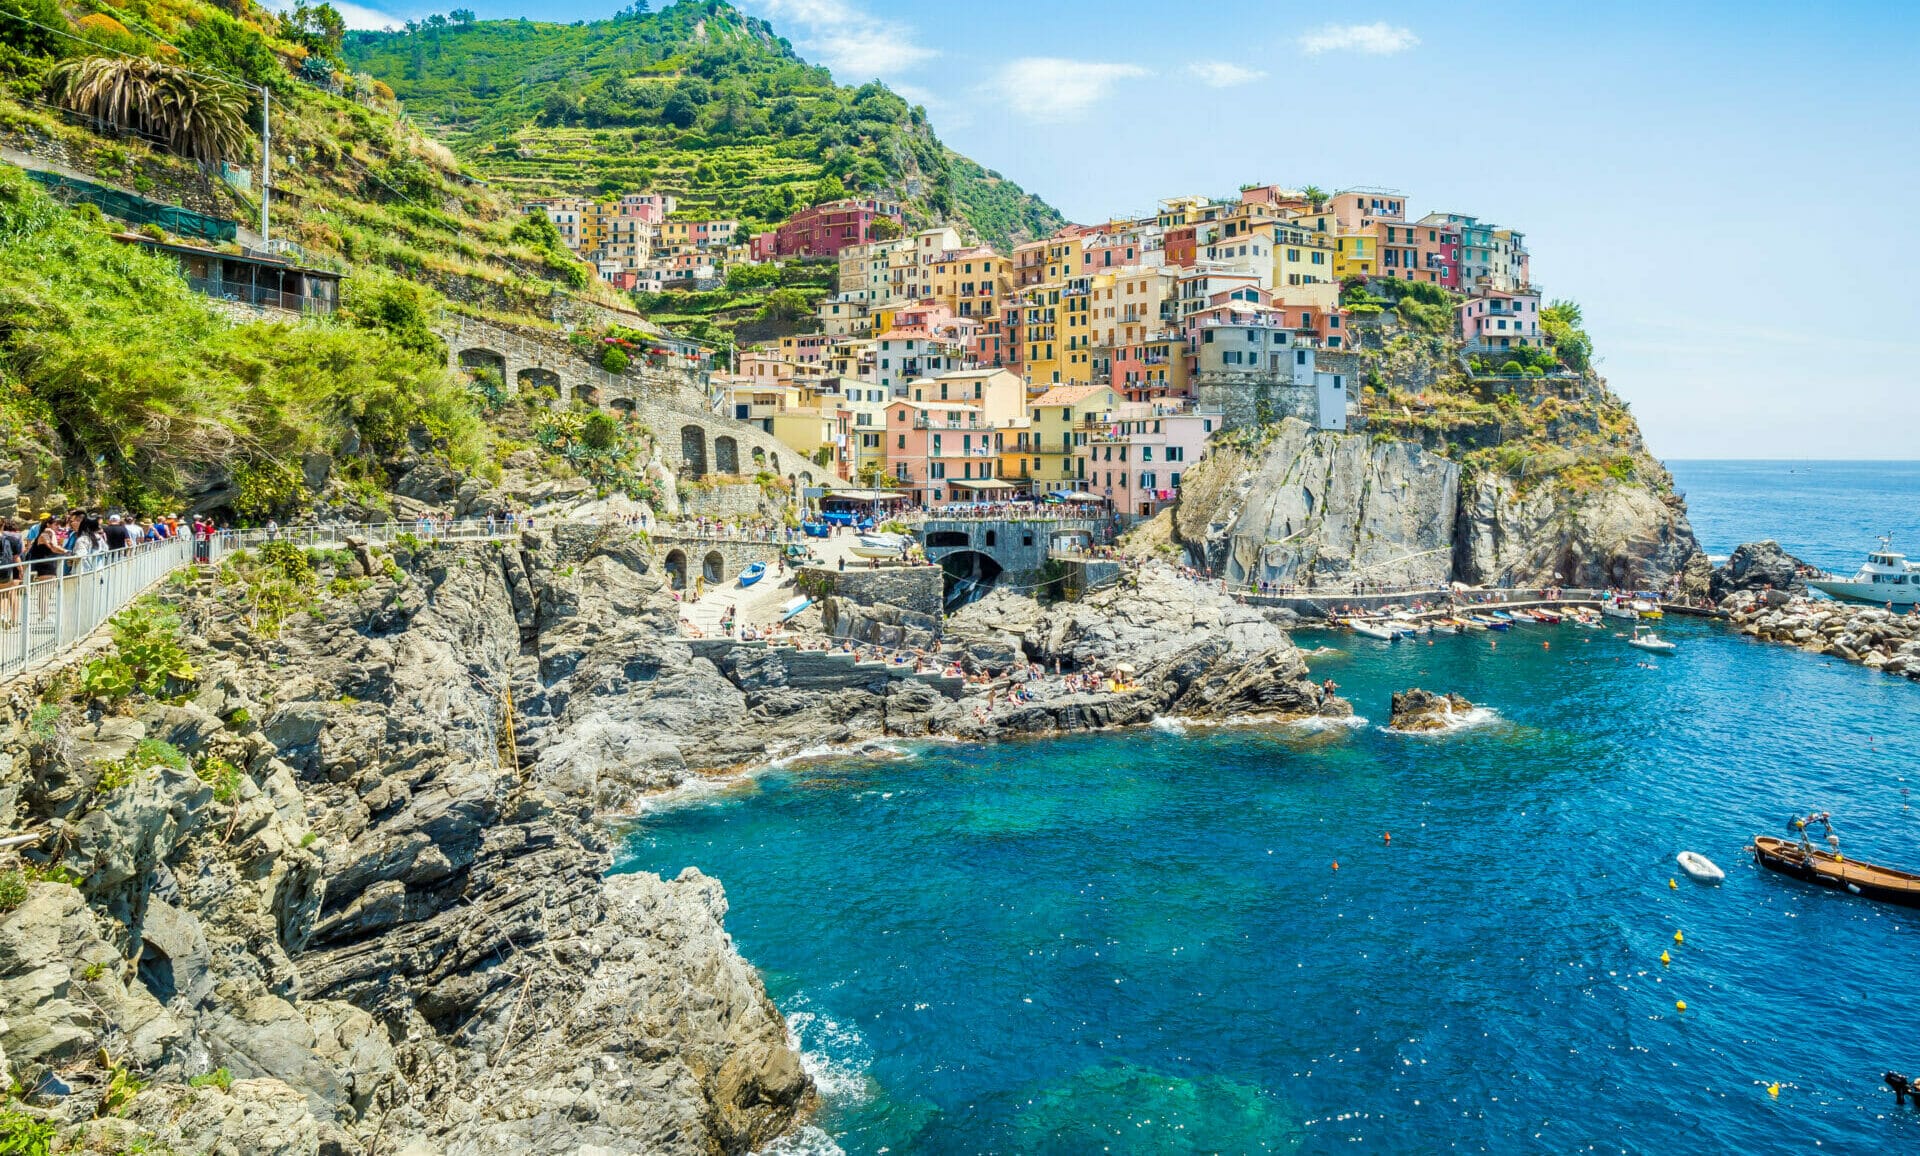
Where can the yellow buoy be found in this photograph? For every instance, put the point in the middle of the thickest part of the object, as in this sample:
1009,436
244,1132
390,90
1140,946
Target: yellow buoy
1672,884
1773,1090
1679,938
1665,958
1680,1004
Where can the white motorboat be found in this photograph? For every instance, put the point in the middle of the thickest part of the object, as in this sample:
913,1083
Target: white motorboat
1700,868
1372,630
1445,626
1646,639
880,545
1618,608
1887,577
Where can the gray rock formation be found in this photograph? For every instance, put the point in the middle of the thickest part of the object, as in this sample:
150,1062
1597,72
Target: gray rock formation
1192,651
1289,504
1296,506
1415,710
1758,566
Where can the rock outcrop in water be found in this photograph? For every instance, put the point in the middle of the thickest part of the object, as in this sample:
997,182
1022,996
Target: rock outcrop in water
1171,646
1758,566
1417,710
1295,506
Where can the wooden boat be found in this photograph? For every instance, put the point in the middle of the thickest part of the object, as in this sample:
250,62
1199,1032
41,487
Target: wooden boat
1371,630
1647,609
1488,622
1615,609
1445,626
1468,623
753,573
1828,869
881,546
1550,617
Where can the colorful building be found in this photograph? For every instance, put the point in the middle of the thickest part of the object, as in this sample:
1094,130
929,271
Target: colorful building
821,231
1496,319
1059,433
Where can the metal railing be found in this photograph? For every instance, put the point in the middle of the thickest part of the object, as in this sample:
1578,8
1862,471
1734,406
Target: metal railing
58,602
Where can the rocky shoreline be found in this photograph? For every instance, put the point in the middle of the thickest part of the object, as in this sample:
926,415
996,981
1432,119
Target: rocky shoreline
1871,636
347,892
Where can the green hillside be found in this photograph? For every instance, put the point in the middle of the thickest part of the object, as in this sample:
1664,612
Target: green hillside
697,100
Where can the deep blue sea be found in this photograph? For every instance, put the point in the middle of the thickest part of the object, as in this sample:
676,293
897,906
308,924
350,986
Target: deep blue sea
1139,943
1827,513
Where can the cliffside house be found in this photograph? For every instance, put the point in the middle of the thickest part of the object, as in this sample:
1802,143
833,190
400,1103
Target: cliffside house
264,280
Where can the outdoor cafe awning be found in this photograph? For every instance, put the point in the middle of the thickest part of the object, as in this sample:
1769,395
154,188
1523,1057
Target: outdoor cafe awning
982,484
1076,496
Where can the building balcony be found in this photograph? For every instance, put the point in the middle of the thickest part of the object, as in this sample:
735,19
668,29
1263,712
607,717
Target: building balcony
924,423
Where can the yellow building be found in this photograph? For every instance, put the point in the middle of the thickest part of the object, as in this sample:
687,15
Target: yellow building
1076,330
1301,256
1057,437
972,282
1355,255
1045,354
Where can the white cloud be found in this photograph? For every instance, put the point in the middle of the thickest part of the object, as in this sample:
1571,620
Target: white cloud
1049,88
1377,39
357,17
1223,74
856,45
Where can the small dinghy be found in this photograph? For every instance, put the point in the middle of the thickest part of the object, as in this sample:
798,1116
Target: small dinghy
1550,617
753,573
1373,631
1445,626
1646,639
1699,868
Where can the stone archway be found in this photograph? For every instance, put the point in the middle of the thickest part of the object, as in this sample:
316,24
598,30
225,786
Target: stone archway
939,539
759,457
622,405
693,450
726,455
676,569
589,394
968,575
534,377
480,357
773,462
714,567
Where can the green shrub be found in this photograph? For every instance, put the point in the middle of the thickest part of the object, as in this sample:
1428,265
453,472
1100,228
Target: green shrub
222,776
614,359
221,1078
147,656
24,1135
13,890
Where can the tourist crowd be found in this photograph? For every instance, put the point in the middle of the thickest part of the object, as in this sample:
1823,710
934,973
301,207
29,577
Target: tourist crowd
79,542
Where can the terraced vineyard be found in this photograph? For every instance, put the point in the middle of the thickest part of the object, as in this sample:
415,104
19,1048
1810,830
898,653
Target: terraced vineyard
697,100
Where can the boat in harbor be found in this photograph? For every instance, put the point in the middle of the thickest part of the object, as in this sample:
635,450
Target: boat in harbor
1806,862
1646,639
1646,609
1619,608
1550,617
1886,577
1699,868
880,546
1446,626
1372,630
1489,622
753,573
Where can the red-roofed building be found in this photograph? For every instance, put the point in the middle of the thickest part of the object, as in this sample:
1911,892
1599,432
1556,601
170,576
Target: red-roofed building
824,230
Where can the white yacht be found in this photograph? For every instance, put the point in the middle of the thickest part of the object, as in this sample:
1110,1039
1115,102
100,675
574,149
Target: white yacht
1887,577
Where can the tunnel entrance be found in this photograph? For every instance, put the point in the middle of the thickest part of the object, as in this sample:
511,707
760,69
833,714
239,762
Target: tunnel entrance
969,575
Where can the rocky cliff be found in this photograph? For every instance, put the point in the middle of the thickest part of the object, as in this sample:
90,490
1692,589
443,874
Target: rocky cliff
1292,505
342,887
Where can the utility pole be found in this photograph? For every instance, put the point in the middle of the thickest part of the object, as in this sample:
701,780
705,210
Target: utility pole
266,159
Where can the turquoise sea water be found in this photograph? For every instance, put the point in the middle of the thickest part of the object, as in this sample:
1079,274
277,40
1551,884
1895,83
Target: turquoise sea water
1137,942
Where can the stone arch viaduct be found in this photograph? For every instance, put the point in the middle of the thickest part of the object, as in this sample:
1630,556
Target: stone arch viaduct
693,441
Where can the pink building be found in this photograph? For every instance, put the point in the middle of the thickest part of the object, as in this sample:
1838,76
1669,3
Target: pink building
1136,453
1497,319
932,444
1437,250
824,230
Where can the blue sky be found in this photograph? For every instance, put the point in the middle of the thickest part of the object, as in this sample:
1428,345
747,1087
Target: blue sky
1726,188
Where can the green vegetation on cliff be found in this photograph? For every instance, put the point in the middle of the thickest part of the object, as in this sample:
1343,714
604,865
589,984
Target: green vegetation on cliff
697,100
109,361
